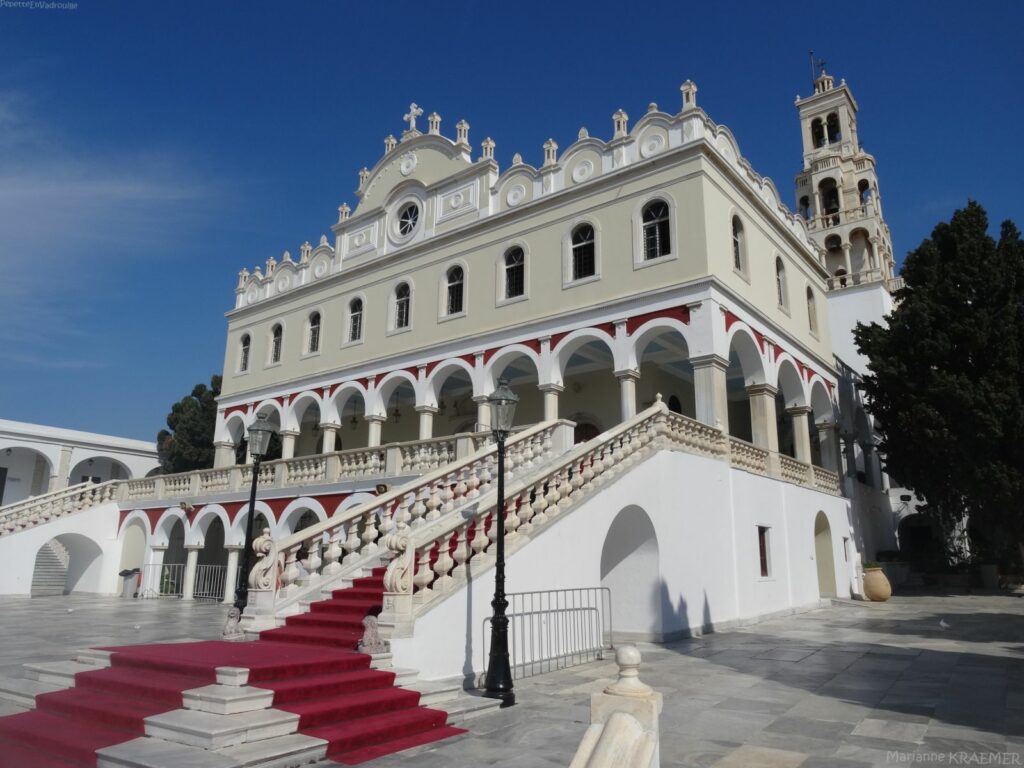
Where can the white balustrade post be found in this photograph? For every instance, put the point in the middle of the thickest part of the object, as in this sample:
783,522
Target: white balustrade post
374,424
551,393
426,413
189,587
763,424
288,443
231,577
224,454
627,394
710,390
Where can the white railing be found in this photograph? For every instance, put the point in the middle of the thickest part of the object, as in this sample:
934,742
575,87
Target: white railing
163,579
554,629
793,471
41,509
209,584
277,578
431,557
864,277
825,479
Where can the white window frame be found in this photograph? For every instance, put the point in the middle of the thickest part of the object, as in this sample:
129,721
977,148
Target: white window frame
347,340
781,288
812,311
271,363
392,325
567,278
744,249
239,370
306,351
394,233
501,275
442,314
639,262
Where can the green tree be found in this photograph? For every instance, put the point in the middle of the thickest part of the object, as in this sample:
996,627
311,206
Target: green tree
946,382
189,442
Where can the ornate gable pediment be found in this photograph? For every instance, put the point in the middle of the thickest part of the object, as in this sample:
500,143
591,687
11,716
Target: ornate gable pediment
424,160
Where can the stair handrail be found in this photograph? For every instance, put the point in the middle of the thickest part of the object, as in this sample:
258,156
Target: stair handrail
355,533
15,505
42,509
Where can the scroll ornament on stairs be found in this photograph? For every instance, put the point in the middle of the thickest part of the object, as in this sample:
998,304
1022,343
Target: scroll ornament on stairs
264,572
398,577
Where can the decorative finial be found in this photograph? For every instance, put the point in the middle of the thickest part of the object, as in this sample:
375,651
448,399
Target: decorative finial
652,107
517,159
434,124
462,133
487,145
323,239
286,256
410,117
243,275
628,658
343,210
550,148
271,264
364,174
390,142
304,251
689,91
583,134
256,273
620,120
657,398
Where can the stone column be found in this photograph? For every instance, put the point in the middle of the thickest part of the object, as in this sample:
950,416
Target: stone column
330,437
373,424
189,586
288,443
829,445
230,578
426,413
709,390
551,393
224,454
59,479
627,393
801,432
483,413
847,247
850,452
763,420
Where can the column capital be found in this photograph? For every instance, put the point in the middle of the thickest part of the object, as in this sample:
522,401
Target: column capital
628,374
480,399
799,410
710,361
549,388
159,547
762,389
375,418
195,547
826,426
234,547
330,425
288,432
223,444
847,246
431,409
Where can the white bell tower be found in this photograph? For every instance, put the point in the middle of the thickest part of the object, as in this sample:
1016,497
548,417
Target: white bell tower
837,190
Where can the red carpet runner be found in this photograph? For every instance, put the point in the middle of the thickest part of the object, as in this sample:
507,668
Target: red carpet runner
310,664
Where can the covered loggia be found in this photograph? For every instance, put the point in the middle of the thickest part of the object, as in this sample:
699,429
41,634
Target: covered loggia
24,472
630,569
211,559
862,256
307,416
824,556
450,386
791,413
397,393
348,403
520,366
98,469
593,395
824,429
744,380
663,359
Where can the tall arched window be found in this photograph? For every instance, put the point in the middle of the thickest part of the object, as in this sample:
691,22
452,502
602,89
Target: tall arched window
313,344
276,336
817,133
737,244
584,263
780,282
243,353
402,305
456,280
355,320
812,311
657,240
515,273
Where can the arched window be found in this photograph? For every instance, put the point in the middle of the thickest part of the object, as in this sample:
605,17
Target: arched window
737,244
674,405
780,282
805,207
828,193
515,273
584,263
243,353
313,344
276,335
657,240
817,133
456,280
402,305
864,189
812,311
355,320
834,134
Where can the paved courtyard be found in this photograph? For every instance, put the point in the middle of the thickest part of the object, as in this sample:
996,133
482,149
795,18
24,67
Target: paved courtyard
921,679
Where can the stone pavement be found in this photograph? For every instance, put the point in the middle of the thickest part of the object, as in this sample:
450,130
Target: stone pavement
854,685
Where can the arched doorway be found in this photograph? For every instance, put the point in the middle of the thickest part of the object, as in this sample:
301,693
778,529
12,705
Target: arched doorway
585,429
823,556
65,564
630,569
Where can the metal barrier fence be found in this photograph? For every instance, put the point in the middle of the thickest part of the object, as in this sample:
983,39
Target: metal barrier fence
556,628
168,580
210,582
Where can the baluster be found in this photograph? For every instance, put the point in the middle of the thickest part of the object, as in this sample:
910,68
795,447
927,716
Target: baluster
313,561
539,505
461,553
577,480
473,483
447,494
525,512
443,564
546,444
460,485
511,519
419,509
404,515
434,502
480,542
332,555
564,488
485,473
370,529
351,544
424,575
291,570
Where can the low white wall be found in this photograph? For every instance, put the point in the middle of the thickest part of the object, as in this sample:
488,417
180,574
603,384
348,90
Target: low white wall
705,517
83,533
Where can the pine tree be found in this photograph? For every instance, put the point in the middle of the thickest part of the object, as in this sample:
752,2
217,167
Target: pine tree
192,420
946,382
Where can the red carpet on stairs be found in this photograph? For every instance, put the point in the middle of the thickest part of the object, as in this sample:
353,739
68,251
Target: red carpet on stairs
310,664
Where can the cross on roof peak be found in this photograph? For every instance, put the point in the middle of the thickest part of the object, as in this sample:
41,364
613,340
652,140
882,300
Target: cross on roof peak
410,117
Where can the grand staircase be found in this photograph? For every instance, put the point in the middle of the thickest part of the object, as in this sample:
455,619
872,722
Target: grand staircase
51,570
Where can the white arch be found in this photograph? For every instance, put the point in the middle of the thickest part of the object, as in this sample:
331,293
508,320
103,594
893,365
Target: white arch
741,338
291,514
361,497
232,428
821,404
649,331
235,536
387,386
576,339
165,524
94,455
264,407
297,408
501,359
788,382
137,514
335,404
196,534
441,373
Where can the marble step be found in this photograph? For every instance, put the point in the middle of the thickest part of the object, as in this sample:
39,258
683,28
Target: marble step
213,731
23,690
60,673
278,752
227,699
93,656
468,706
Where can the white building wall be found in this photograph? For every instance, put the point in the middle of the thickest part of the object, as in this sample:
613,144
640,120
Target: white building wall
848,306
705,517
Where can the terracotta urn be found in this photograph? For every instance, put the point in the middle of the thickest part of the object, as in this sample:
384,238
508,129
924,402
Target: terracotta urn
876,586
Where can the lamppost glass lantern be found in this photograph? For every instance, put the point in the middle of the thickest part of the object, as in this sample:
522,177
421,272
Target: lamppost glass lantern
259,436
503,408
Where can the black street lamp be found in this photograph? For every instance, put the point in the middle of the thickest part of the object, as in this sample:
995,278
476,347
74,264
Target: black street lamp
498,684
259,440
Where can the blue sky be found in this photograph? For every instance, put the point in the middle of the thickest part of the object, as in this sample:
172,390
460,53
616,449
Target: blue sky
149,150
